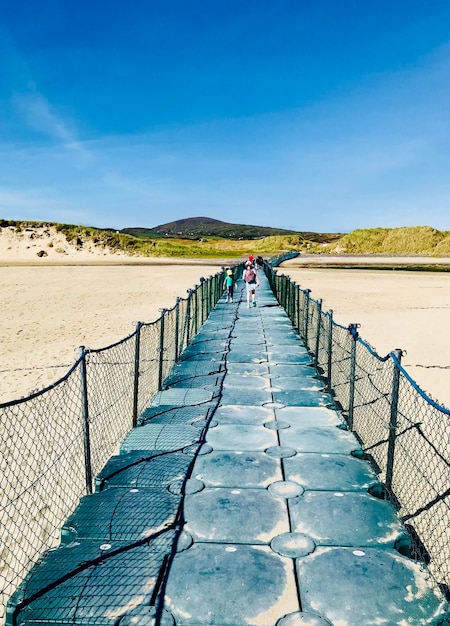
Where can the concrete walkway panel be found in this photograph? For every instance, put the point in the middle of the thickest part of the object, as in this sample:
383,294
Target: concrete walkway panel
302,397
87,582
345,519
241,355
243,414
277,356
209,382
237,469
372,587
316,439
160,437
246,382
298,383
248,369
139,470
246,396
279,370
241,437
182,397
248,516
230,584
302,416
121,515
275,339
195,355
331,472
193,368
183,415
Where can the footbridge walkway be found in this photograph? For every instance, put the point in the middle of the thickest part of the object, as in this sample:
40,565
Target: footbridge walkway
239,499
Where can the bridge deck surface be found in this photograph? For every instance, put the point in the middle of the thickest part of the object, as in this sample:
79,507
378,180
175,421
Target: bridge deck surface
236,501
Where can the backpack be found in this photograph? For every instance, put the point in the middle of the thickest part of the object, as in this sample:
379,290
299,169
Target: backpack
250,276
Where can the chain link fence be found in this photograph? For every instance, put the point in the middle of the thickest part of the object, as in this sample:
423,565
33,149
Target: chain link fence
54,442
403,432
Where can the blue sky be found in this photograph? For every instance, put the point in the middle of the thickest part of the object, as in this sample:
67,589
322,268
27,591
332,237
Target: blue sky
324,115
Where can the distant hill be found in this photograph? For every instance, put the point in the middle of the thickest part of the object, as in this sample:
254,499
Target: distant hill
198,227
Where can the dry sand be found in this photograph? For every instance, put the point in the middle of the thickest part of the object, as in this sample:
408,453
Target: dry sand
49,311
396,309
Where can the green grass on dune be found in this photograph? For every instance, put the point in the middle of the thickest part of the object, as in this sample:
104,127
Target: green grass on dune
417,240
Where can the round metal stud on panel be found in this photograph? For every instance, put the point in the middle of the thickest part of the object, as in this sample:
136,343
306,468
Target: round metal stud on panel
188,487
276,425
184,541
286,489
281,452
274,405
292,545
304,618
194,449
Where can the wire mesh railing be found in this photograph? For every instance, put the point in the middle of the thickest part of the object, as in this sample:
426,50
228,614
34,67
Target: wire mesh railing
54,442
403,432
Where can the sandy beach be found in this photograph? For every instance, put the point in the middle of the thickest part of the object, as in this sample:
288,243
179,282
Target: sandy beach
57,296
395,308
49,311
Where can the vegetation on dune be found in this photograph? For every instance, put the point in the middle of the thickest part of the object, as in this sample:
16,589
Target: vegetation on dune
418,240
211,247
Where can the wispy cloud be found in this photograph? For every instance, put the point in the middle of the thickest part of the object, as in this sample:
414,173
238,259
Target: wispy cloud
40,117
30,105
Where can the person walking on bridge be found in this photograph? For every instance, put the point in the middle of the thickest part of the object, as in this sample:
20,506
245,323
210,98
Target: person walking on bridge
229,284
250,278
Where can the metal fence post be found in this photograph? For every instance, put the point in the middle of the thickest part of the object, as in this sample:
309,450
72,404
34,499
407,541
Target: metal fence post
319,321
287,306
306,316
351,399
211,283
202,300
177,328
194,312
297,306
393,421
85,418
137,350
330,350
188,315
292,301
161,349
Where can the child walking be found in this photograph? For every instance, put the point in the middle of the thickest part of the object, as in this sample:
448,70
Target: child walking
229,284
250,278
